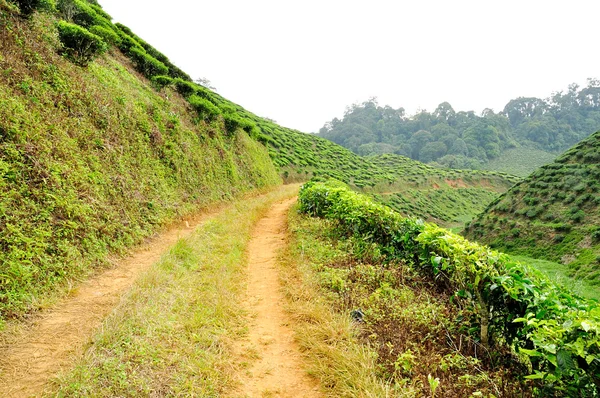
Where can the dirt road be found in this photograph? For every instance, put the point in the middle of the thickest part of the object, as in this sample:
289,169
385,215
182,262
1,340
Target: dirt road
49,344
275,366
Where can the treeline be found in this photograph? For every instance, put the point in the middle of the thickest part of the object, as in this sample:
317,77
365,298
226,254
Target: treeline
465,139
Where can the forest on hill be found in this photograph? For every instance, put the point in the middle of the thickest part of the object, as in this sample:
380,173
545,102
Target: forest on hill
553,214
462,139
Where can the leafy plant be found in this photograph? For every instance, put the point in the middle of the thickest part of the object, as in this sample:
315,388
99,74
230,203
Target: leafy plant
79,44
162,81
205,108
557,333
107,34
146,64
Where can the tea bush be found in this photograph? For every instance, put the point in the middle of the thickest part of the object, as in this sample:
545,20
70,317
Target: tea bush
146,64
556,333
185,88
107,34
206,109
161,81
27,7
79,44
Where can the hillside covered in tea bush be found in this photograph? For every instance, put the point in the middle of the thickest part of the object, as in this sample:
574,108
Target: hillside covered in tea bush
103,140
553,214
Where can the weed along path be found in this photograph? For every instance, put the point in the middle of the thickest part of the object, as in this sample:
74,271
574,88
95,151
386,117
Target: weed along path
275,366
29,359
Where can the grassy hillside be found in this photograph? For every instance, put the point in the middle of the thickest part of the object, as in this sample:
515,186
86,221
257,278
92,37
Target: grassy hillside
520,161
94,159
553,214
445,196
98,151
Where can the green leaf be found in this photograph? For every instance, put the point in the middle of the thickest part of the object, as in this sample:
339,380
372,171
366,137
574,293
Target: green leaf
565,361
586,326
537,375
531,353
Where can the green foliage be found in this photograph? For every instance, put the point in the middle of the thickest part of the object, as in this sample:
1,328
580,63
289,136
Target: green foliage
555,206
83,13
556,333
161,81
27,7
133,40
146,64
522,137
406,319
185,88
128,43
79,44
206,109
107,34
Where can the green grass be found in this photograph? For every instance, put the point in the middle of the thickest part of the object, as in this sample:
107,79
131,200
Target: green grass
554,214
445,206
560,274
519,161
171,334
93,160
331,342
408,331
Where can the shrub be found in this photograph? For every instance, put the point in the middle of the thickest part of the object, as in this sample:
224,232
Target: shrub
146,64
127,43
107,34
185,88
161,81
205,108
232,122
79,44
556,333
578,216
124,29
596,234
27,7
98,9
82,13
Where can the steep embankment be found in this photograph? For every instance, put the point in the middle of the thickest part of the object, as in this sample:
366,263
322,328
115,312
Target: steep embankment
95,159
553,214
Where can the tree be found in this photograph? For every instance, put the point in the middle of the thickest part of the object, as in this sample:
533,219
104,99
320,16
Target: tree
432,151
204,82
445,113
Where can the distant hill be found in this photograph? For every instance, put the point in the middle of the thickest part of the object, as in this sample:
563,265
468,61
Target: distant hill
553,214
520,161
447,197
539,129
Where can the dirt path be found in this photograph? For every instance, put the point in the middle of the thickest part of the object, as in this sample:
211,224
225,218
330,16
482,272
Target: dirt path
275,362
30,359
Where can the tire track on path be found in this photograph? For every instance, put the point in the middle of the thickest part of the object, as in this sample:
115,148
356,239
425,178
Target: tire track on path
49,344
276,370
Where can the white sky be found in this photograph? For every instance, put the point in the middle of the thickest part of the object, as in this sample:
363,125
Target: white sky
302,62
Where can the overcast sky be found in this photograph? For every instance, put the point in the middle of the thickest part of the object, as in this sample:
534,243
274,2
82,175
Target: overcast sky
302,63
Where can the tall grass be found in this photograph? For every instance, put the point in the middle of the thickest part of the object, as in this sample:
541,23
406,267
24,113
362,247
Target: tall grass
330,339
